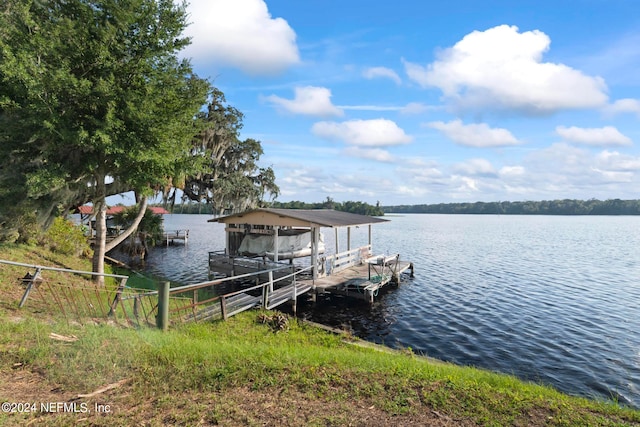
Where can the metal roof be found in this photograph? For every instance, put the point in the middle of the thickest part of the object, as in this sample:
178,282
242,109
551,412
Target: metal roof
313,217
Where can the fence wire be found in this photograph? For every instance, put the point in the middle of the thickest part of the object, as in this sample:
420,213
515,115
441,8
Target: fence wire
51,291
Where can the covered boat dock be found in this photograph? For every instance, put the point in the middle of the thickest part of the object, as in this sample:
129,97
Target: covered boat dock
261,239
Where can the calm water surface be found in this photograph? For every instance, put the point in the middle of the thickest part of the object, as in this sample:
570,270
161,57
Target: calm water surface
550,299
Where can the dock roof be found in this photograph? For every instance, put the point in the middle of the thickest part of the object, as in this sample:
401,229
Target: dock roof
299,218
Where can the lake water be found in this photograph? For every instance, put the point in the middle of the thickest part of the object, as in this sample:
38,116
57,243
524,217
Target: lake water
550,299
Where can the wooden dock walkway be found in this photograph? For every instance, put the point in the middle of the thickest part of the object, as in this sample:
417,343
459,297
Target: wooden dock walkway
228,306
233,305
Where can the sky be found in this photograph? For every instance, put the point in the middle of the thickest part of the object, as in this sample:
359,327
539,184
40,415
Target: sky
417,102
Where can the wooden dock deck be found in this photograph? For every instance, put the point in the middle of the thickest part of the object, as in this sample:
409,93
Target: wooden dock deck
364,280
172,236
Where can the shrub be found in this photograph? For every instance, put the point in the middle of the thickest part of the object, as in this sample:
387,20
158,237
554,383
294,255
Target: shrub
65,237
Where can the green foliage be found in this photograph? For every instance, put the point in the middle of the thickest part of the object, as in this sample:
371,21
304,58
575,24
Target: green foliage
229,177
210,362
91,89
150,228
361,208
18,224
65,237
545,207
191,208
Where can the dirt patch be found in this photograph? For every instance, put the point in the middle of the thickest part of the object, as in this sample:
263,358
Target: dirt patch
230,407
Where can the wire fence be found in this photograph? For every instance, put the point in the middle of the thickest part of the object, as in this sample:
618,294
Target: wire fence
49,290
83,300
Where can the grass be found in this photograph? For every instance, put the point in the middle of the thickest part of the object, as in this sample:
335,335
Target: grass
244,372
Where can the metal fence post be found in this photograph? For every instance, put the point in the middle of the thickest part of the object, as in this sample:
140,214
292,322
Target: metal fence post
31,282
162,320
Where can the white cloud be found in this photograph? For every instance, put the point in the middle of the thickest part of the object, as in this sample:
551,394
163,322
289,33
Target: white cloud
511,171
410,108
464,186
382,72
627,105
371,107
415,108
607,135
475,167
364,133
612,160
502,68
242,34
377,154
475,135
308,100
581,173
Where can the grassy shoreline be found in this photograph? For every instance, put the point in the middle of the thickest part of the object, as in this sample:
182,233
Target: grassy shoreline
247,372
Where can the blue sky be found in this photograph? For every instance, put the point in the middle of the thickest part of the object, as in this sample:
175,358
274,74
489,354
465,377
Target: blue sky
411,102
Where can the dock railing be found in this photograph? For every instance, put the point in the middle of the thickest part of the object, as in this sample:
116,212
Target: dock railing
343,260
171,235
226,305
220,261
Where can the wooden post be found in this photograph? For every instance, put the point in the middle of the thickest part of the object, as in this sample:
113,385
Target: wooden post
223,307
370,246
276,243
348,238
162,320
337,245
294,305
265,297
315,237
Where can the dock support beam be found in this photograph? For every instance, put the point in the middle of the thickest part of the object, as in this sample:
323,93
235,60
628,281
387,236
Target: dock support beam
315,237
276,246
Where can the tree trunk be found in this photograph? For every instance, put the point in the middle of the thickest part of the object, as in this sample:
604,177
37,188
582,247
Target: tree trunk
99,249
115,242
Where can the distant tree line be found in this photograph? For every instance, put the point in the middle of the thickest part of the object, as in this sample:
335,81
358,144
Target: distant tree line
544,207
190,208
361,208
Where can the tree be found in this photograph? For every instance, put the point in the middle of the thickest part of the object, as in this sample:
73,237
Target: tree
94,101
229,176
